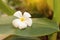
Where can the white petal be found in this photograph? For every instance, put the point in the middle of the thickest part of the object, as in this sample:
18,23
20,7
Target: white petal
22,25
19,24
29,21
15,22
26,14
18,14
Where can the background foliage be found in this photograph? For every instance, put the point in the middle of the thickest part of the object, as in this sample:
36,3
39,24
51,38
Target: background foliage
42,15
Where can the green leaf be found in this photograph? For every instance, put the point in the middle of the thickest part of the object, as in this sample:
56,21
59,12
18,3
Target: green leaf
14,37
40,27
57,10
5,8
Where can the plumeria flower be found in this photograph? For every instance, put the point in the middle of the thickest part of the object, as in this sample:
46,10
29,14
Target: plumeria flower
22,21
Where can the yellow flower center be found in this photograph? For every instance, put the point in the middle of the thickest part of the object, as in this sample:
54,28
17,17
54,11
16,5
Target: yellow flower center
22,19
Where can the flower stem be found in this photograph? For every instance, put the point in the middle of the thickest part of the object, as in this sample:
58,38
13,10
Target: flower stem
53,36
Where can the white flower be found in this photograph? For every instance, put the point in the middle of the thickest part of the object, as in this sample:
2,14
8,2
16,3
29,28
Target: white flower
22,21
